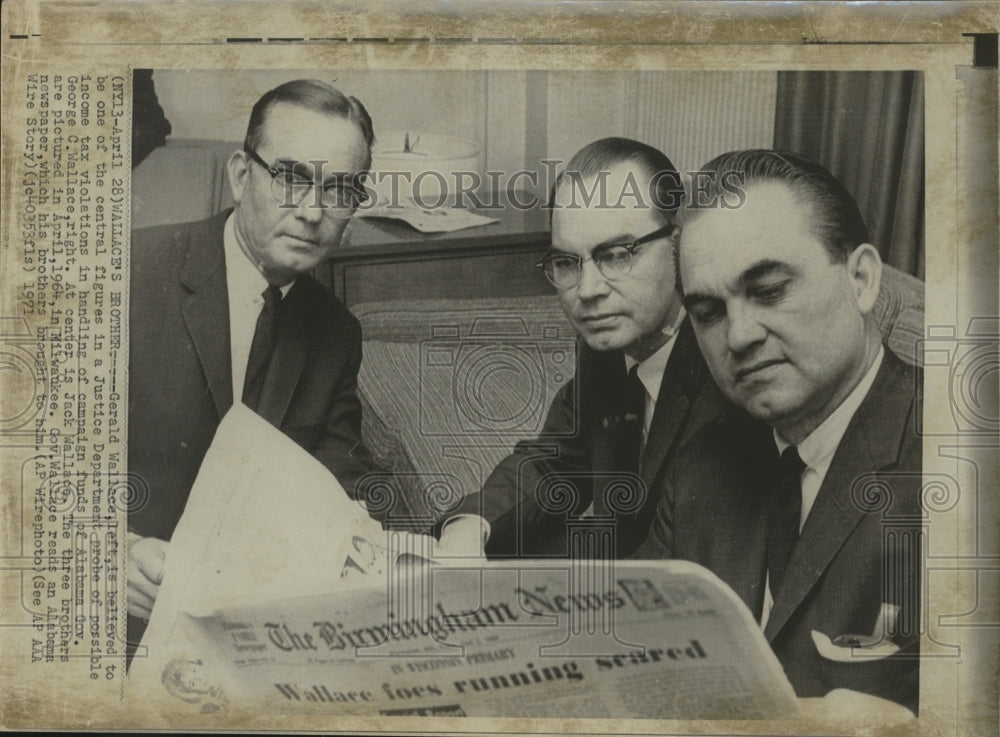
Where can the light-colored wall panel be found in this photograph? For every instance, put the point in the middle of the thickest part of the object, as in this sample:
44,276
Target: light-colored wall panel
693,116
518,118
584,106
506,113
217,103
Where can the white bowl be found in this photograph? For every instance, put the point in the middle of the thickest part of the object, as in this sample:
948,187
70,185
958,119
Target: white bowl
430,167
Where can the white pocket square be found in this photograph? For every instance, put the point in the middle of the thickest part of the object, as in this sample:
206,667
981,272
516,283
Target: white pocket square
858,651
852,648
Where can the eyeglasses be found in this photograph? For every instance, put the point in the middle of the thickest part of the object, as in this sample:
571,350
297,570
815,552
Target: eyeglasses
289,188
613,260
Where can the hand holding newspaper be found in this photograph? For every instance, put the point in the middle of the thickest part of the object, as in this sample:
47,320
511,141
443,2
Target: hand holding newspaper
280,590
264,521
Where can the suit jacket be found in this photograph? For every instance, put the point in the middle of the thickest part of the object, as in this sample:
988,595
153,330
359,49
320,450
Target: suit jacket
180,380
858,551
524,497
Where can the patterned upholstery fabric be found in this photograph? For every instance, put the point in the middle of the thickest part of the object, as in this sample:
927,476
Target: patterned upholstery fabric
448,386
900,312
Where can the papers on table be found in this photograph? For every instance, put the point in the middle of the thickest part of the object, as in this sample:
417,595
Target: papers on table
426,219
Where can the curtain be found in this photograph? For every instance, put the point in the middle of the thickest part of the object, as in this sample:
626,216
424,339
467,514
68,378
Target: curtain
867,128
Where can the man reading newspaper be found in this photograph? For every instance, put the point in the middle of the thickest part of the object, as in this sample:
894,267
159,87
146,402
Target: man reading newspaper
805,497
224,310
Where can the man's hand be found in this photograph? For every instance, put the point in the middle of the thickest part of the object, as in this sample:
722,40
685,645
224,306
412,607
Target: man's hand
463,542
463,537
146,558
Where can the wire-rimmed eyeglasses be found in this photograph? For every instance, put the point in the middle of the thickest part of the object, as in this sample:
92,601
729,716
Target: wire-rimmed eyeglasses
613,260
289,188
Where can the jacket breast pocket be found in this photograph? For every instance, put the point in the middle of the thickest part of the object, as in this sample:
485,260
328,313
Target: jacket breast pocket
883,670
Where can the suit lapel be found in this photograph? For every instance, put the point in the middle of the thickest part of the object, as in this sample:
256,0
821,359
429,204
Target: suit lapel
871,443
682,379
206,308
290,353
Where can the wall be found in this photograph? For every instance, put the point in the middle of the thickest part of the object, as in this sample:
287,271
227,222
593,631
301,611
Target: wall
518,118
216,104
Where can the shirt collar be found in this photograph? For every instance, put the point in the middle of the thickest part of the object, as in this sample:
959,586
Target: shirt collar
244,281
817,448
650,371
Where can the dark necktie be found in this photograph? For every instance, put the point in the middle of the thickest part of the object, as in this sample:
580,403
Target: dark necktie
785,508
630,429
264,338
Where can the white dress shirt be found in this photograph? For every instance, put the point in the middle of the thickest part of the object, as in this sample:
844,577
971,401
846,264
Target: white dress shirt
817,449
245,285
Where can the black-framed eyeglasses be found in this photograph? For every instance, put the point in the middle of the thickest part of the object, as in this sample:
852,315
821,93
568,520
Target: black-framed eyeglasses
613,260
289,188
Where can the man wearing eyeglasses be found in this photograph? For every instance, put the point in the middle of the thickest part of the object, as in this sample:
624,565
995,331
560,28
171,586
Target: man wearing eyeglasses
641,386
224,310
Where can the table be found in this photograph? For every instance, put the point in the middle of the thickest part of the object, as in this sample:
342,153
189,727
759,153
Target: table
385,260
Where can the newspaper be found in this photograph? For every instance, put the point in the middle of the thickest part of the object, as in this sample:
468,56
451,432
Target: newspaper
545,78
456,639
661,640
217,553
234,543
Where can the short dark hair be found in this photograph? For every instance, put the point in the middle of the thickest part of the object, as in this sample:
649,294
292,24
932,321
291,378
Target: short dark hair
311,94
836,220
668,193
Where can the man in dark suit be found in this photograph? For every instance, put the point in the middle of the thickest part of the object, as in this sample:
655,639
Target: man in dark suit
607,439
224,310
805,497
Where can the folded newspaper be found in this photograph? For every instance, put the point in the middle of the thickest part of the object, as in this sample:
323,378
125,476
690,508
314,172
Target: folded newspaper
663,640
368,635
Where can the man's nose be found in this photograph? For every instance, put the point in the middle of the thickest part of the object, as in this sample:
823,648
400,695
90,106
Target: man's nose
592,282
311,207
745,329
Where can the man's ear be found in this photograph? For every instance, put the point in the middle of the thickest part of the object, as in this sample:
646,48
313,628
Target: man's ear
238,168
864,269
